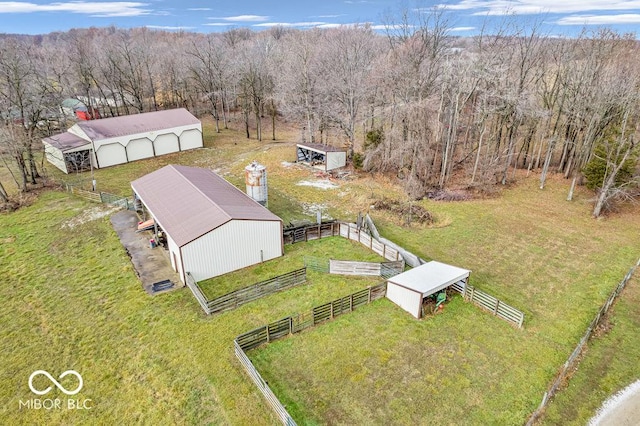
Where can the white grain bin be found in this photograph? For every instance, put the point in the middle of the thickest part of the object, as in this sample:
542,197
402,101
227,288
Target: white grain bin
256,181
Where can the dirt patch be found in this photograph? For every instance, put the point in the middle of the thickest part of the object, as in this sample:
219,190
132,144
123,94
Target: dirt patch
322,184
410,212
89,215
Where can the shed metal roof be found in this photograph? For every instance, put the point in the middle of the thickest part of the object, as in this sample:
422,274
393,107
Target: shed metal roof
321,148
66,141
189,202
106,128
430,277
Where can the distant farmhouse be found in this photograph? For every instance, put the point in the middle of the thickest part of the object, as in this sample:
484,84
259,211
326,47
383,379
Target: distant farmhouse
118,140
211,226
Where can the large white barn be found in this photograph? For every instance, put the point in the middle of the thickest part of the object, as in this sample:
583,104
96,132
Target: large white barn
211,226
117,140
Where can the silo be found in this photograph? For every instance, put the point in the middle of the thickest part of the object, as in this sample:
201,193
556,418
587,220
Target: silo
256,181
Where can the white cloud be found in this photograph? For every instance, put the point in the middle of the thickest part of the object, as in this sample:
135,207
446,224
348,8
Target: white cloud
329,16
168,28
199,8
458,29
105,9
290,24
242,18
528,7
219,24
628,18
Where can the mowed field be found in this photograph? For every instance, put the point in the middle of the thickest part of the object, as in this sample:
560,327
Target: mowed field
71,300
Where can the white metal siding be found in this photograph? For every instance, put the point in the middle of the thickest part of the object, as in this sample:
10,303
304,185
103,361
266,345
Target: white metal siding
234,245
408,300
335,160
190,139
173,249
55,156
111,154
137,149
166,144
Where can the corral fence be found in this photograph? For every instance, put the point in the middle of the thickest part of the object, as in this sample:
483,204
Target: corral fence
101,197
293,324
310,232
490,303
349,267
245,295
347,230
573,359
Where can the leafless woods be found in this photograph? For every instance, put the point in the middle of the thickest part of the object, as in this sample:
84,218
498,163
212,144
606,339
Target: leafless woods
413,101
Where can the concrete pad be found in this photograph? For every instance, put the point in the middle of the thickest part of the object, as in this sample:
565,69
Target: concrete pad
152,265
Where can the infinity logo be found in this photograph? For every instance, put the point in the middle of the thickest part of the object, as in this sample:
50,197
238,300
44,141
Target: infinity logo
55,382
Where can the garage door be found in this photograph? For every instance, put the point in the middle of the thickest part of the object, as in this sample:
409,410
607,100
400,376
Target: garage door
111,154
165,144
138,149
190,139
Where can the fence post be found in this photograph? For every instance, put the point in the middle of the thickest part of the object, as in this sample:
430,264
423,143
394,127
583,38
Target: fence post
384,251
267,329
369,297
331,310
351,302
290,325
495,311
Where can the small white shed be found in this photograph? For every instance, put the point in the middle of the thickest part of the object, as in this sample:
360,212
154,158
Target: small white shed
211,226
409,289
119,140
323,157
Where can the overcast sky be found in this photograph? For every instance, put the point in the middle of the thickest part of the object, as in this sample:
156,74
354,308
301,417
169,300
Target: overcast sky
558,17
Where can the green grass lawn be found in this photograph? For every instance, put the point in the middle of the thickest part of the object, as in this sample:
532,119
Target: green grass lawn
72,301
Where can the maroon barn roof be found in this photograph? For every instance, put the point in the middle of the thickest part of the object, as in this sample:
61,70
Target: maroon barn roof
188,202
66,141
113,127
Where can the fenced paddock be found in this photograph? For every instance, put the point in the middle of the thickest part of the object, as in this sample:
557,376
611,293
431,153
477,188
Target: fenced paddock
294,324
573,359
245,295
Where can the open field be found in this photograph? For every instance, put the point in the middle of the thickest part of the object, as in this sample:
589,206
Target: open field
71,301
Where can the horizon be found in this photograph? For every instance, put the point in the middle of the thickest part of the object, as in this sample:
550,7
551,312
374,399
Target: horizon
465,17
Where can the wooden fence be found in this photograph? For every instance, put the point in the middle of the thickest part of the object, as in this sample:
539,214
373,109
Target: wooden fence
346,230
101,197
245,295
384,269
262,386
294,324
573,359
490,303
310,232
351,231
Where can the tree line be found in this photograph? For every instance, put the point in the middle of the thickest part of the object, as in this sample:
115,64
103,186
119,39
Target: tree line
433,109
